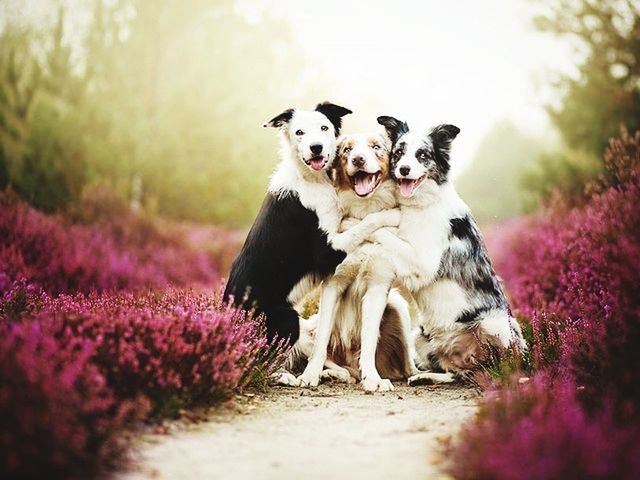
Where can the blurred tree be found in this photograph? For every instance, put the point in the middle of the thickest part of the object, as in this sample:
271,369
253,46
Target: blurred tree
150,99
603,97
490,184
606,93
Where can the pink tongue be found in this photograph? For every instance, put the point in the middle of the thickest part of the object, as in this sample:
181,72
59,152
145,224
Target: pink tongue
364,184
406,187
317,164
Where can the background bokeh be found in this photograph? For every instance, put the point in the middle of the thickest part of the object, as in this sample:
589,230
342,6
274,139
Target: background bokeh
158,105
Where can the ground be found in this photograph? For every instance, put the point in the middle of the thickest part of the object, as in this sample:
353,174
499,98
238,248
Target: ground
334,431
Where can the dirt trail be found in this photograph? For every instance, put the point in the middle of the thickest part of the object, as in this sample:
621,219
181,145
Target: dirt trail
332,432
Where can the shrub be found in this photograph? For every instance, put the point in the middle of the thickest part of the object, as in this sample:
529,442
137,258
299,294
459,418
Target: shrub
58,417
77,371
540,430
128,253
574,272
179,349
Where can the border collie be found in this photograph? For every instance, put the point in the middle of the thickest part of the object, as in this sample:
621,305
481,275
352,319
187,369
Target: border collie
362,322
285,243
439,255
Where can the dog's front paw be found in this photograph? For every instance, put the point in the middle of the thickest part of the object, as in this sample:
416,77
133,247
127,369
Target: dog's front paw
388,218
430,378
309,379
376,384
282,377
340,375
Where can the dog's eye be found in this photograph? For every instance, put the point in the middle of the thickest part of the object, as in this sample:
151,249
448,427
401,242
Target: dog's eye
397,154
299,132
324,128
375,147
347,149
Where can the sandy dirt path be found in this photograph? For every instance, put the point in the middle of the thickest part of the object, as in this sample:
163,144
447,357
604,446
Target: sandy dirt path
331,432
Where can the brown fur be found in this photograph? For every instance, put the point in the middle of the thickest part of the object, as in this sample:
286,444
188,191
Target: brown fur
390,358
341,179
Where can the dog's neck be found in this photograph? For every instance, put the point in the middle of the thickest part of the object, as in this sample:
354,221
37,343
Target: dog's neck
314,189
431,195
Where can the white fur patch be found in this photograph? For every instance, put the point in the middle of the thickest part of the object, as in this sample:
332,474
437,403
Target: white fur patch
496,323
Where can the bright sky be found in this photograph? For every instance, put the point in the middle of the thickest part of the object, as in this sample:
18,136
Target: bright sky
471,63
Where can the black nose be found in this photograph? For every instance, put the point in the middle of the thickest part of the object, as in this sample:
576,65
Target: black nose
358,161
316,148
404,170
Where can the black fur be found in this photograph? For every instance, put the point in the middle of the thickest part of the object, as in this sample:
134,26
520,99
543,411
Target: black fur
280,119
283,245
441,138
463,229
334,113
472,315
469,265
395,128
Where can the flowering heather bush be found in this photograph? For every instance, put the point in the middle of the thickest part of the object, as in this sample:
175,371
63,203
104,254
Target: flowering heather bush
179,349
574,273
76,370
58,417
540,430
130,253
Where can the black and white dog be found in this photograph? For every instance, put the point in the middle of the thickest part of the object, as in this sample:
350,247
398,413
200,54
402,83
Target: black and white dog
286,244
439,255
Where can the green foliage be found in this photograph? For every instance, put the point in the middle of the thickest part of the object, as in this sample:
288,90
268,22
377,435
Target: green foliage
565,173
596,102
606,94
152,100
490,184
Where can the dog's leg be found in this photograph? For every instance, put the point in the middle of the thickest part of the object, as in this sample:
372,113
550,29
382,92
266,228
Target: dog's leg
336,372
326,316
397,301
373,305
430,378
284,377
364,229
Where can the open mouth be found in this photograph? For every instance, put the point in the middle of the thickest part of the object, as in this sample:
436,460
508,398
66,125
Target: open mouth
408,187
316,163
364,183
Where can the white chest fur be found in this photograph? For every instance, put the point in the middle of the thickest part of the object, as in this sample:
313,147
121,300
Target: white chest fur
315,191
425,225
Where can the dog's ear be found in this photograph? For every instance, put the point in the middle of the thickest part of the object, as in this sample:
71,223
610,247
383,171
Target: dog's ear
334,113
442,136
395,128
280,119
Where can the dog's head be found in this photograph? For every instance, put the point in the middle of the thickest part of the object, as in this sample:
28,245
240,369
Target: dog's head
418,158
363,162
311,135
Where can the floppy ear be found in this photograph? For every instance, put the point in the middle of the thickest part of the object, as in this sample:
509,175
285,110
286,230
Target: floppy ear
395,128
334,113
442,136
444,133
280,120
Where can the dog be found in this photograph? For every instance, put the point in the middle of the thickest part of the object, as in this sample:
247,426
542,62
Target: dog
439,255
362,324
287,250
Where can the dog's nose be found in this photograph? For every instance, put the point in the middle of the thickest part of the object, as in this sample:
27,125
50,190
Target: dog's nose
357,161
404,170
316,148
